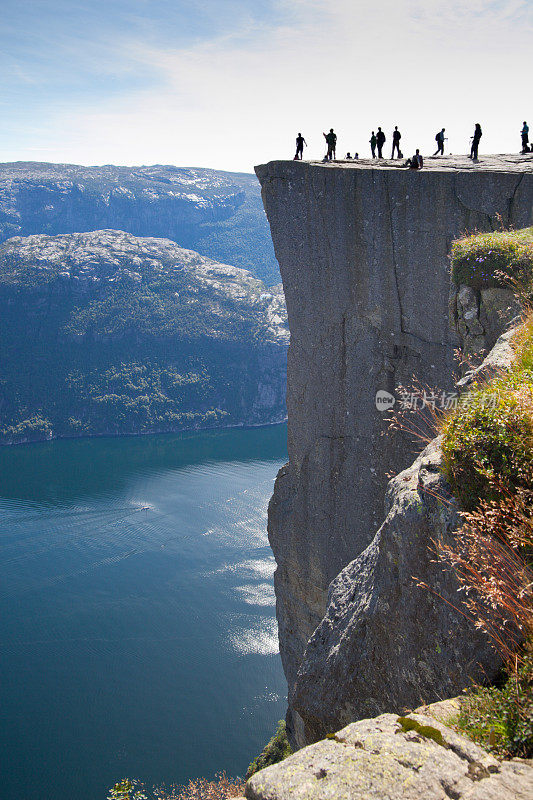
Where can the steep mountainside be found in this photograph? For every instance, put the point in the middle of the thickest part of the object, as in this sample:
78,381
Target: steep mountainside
219,214
105,332
364,256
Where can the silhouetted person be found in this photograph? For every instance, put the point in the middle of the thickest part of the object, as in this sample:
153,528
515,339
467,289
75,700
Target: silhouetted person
525,138
416,162
373,142
396,136
348,156
331,139
478,133
300,142
356,155
439,138
380,141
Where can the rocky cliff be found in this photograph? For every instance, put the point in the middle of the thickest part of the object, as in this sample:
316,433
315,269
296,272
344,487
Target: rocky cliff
105,332
219,214
363,253
385,642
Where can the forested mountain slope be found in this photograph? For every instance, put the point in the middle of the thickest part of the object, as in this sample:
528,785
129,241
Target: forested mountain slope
105,332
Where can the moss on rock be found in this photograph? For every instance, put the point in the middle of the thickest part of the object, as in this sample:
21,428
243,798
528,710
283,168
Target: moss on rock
489,260
427,731
277,749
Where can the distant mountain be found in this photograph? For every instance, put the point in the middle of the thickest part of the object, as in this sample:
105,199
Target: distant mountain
218,214
105,332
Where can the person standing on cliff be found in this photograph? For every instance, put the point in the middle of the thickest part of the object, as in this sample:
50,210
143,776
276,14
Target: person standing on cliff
439,138
380,141
331,140
396,136
300,142
373,142
478,133
525,138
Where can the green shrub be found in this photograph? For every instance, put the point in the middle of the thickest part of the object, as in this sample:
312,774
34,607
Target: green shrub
489,435
501,718
36,427
275,751
488,260
127,790
488,460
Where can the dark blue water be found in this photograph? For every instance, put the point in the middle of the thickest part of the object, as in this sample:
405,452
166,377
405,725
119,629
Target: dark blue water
136,610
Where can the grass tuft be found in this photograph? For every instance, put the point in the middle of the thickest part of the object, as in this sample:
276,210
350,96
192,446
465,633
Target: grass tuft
490,260
501,718
489,436
523,343
488,461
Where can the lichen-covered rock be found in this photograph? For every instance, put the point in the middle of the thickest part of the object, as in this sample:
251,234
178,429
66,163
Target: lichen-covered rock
378,759
364,256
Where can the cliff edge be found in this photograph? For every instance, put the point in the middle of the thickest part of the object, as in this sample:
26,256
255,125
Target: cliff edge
364,256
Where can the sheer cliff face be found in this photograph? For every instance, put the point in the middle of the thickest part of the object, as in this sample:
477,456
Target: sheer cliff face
363,253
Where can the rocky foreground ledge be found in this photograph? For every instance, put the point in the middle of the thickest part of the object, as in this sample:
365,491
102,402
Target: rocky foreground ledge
394,758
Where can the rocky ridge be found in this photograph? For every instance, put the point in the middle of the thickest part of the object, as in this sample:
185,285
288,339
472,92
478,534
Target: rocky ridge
91,264
371,653
218,214
384,644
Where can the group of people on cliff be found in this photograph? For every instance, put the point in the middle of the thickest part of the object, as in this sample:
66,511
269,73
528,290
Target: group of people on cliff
377,141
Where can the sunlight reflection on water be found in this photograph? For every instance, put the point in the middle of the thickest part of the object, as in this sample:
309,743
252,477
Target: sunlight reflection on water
137,589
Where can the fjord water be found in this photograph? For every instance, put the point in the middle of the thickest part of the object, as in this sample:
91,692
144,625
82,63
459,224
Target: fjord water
136,610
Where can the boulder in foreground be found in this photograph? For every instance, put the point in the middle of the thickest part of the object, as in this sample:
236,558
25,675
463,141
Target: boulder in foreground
391,758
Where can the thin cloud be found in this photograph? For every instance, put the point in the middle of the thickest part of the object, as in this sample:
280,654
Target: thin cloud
240,96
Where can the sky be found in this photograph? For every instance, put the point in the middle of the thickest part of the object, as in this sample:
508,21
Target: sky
229,84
